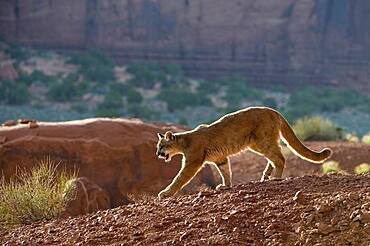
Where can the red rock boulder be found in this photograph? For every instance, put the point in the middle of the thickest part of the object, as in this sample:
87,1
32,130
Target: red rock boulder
118,155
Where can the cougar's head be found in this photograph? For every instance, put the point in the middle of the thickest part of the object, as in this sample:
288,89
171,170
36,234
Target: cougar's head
167,146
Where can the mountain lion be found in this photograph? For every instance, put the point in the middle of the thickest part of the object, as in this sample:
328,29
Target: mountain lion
258,129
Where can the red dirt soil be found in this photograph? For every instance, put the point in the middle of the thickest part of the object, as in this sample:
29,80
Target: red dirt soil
310,210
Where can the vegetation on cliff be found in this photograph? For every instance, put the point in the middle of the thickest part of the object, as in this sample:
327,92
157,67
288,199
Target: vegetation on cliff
52,86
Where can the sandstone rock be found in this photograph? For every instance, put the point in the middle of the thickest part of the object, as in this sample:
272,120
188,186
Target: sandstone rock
10,123
118,155
86,197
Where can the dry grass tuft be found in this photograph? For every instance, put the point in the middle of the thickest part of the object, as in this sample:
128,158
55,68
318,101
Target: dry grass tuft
38,194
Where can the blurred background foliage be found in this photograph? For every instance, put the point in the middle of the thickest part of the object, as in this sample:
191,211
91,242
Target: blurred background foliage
90,84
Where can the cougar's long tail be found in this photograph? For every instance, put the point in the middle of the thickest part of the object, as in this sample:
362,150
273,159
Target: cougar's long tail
298,147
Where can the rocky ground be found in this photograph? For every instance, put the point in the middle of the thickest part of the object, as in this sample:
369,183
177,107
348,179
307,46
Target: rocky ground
305,208
309,210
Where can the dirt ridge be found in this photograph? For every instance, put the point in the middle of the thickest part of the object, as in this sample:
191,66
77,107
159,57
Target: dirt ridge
327,209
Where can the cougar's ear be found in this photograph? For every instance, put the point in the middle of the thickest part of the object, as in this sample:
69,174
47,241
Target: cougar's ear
160,136
169,136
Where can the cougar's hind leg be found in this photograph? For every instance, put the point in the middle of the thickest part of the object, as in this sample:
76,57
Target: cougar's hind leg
278,161
275,159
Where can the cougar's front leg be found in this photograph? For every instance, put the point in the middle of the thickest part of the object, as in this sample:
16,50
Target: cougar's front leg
224,168
188,170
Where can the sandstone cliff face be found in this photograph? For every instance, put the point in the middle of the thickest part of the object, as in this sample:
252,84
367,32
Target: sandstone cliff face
116,156
285,41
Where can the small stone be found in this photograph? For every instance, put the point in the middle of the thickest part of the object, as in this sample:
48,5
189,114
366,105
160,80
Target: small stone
299,197
3,139
365,217
365,206
355,224
204,193
32,124
324,228
355,215
25,121
10,123
353,196
324,208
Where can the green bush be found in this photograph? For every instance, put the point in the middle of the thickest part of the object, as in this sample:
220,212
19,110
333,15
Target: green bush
180,99
67,89
141,111
111,107
237,89
331,167
270,102
145,74
34,195
366,138
316,128
363,168
310,100
18,53
36,77
208,86
133,96
13,93
94,66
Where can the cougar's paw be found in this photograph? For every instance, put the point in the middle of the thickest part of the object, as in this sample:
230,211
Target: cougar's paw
264,178
222,187
164,194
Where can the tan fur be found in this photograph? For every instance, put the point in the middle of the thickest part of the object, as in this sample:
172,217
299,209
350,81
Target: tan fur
258,129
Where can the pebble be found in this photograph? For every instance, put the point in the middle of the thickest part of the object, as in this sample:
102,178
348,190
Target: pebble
324,228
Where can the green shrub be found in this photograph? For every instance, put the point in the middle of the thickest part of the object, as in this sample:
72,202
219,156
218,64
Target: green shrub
67,89
331,167
33,195
13,93
183,121
180,99
237,89
366,138
310,100
208,86
363,168
141,111
95,66
316,128
80,107
111,107
270,102
36,77
18,53
351,137
145,74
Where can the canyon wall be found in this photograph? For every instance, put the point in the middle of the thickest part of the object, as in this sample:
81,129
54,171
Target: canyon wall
269,41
